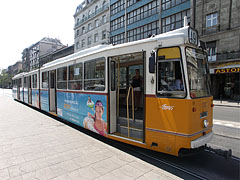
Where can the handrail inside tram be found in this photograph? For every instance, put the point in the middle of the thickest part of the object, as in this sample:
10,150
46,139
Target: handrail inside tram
129,90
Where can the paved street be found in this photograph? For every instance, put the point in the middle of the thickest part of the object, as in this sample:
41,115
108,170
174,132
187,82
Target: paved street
35,146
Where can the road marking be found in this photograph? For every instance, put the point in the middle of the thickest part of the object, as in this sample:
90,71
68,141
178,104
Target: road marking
226,123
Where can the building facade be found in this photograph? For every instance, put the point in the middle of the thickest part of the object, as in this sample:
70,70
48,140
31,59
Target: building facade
132,20
91,24
31,56
218,24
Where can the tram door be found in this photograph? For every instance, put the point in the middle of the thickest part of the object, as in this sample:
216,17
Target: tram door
29,90
52,91
127,102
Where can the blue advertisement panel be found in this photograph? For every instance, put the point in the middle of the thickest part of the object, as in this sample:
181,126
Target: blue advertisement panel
35,98
44,100
86,110
21,94
25,92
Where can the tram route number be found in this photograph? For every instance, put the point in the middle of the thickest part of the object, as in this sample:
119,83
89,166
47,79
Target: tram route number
193,36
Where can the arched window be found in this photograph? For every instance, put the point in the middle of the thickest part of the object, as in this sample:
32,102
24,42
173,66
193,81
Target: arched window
96,8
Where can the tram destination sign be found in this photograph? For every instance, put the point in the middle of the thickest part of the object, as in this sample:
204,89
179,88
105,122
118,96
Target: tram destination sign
227,70
193,36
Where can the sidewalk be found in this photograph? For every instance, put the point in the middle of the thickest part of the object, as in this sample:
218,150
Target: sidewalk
226,103
35,146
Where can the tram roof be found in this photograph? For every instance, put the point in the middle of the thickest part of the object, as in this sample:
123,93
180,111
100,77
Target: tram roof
100,48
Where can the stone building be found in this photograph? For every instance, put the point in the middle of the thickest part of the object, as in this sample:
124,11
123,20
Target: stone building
218,24
91,24
31,56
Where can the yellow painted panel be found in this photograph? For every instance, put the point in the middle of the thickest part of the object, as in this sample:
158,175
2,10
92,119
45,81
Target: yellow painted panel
170,53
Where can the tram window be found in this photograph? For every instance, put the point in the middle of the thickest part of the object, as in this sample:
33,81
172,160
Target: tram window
113,76
25,82
170,79
75,77
44,79
62,78
29,82
94,75
34,81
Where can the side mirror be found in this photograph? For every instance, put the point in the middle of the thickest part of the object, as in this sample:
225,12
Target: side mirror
152,63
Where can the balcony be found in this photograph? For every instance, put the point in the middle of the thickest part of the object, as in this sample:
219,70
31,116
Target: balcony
95,13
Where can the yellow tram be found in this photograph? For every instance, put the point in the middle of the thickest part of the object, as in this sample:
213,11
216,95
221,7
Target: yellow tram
153,93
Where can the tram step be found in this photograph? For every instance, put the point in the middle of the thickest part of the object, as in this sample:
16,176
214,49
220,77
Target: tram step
133,132
135,124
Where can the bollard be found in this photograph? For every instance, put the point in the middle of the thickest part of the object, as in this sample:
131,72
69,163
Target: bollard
221,98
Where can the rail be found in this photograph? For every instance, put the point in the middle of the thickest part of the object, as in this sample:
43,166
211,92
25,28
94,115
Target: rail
129,90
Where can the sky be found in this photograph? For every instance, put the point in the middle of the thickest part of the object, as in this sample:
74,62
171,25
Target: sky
25,22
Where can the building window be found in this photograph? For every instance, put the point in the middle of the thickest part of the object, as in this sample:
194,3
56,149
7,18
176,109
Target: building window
212,51
75,77
143,31
117,23
77,45
104,34
89,26
96,23
211,19
104,19
62,78
118,39
166,4
83,30
174,21
96,38
83,43
143,12
94,76
77,33
117,7
96,8
89,40
131,2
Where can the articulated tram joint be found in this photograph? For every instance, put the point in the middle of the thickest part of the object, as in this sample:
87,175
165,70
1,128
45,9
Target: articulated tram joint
226,153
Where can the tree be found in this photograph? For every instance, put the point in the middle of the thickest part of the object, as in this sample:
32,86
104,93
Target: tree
5,79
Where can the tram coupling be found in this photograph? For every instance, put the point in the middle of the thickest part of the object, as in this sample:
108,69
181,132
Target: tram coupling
226,153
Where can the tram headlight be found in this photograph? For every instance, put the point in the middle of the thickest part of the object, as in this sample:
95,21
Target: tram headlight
205,123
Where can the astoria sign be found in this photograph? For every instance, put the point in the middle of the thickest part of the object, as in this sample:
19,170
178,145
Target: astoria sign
227,70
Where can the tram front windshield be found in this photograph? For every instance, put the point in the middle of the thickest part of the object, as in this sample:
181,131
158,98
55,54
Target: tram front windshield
198,74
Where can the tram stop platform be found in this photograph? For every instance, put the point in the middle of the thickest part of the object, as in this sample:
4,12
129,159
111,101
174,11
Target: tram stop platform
36,146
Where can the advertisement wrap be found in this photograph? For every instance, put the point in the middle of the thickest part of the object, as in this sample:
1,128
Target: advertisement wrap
35,98
44,100
85,110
